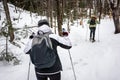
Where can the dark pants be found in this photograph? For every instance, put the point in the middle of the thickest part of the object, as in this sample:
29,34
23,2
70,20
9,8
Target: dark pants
51,77
92,33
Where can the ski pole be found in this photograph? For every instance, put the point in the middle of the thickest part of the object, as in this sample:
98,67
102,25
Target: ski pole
29,70
98,32
72,65
86,33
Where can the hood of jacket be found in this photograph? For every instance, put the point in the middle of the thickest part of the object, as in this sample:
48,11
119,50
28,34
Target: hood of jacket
44,29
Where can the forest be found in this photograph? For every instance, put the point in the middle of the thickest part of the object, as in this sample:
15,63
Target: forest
57,11
85,60
70,9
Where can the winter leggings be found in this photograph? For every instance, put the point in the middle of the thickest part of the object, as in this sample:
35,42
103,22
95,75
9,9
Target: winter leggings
51,77
92,32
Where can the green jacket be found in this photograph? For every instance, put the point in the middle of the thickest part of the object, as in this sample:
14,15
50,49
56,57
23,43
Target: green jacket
96,22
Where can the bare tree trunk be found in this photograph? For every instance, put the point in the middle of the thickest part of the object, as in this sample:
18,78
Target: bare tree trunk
75,9
100,10
10,29
90,13
51,13
59,19
115,13
68,26
55,24
48,10
0,13
15,6
62,11
90,7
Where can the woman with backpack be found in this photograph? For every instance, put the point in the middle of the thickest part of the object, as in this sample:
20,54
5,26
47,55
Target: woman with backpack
53,72
92,26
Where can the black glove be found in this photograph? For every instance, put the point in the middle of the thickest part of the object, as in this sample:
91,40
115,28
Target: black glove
31,36
65,33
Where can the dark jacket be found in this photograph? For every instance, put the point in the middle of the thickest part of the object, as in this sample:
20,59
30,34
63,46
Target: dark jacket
56,40
57,66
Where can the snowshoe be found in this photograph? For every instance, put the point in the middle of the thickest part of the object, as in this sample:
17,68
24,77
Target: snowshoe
90,39
93,41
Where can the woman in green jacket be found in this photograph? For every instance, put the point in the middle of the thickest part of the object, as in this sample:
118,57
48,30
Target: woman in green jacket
92,26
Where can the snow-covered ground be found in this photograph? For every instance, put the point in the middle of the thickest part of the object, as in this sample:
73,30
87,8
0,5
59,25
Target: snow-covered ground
92,61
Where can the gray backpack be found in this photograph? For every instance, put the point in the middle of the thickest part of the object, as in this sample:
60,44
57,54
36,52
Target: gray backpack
42,54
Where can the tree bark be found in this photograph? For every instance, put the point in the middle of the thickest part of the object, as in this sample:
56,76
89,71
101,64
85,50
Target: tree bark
90,5
115,14
100,7
51,13
59,19
10,28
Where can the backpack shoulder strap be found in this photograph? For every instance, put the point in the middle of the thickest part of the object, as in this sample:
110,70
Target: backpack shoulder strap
37,40
48,41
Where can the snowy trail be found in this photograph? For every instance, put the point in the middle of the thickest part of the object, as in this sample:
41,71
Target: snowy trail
92,61
96,61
